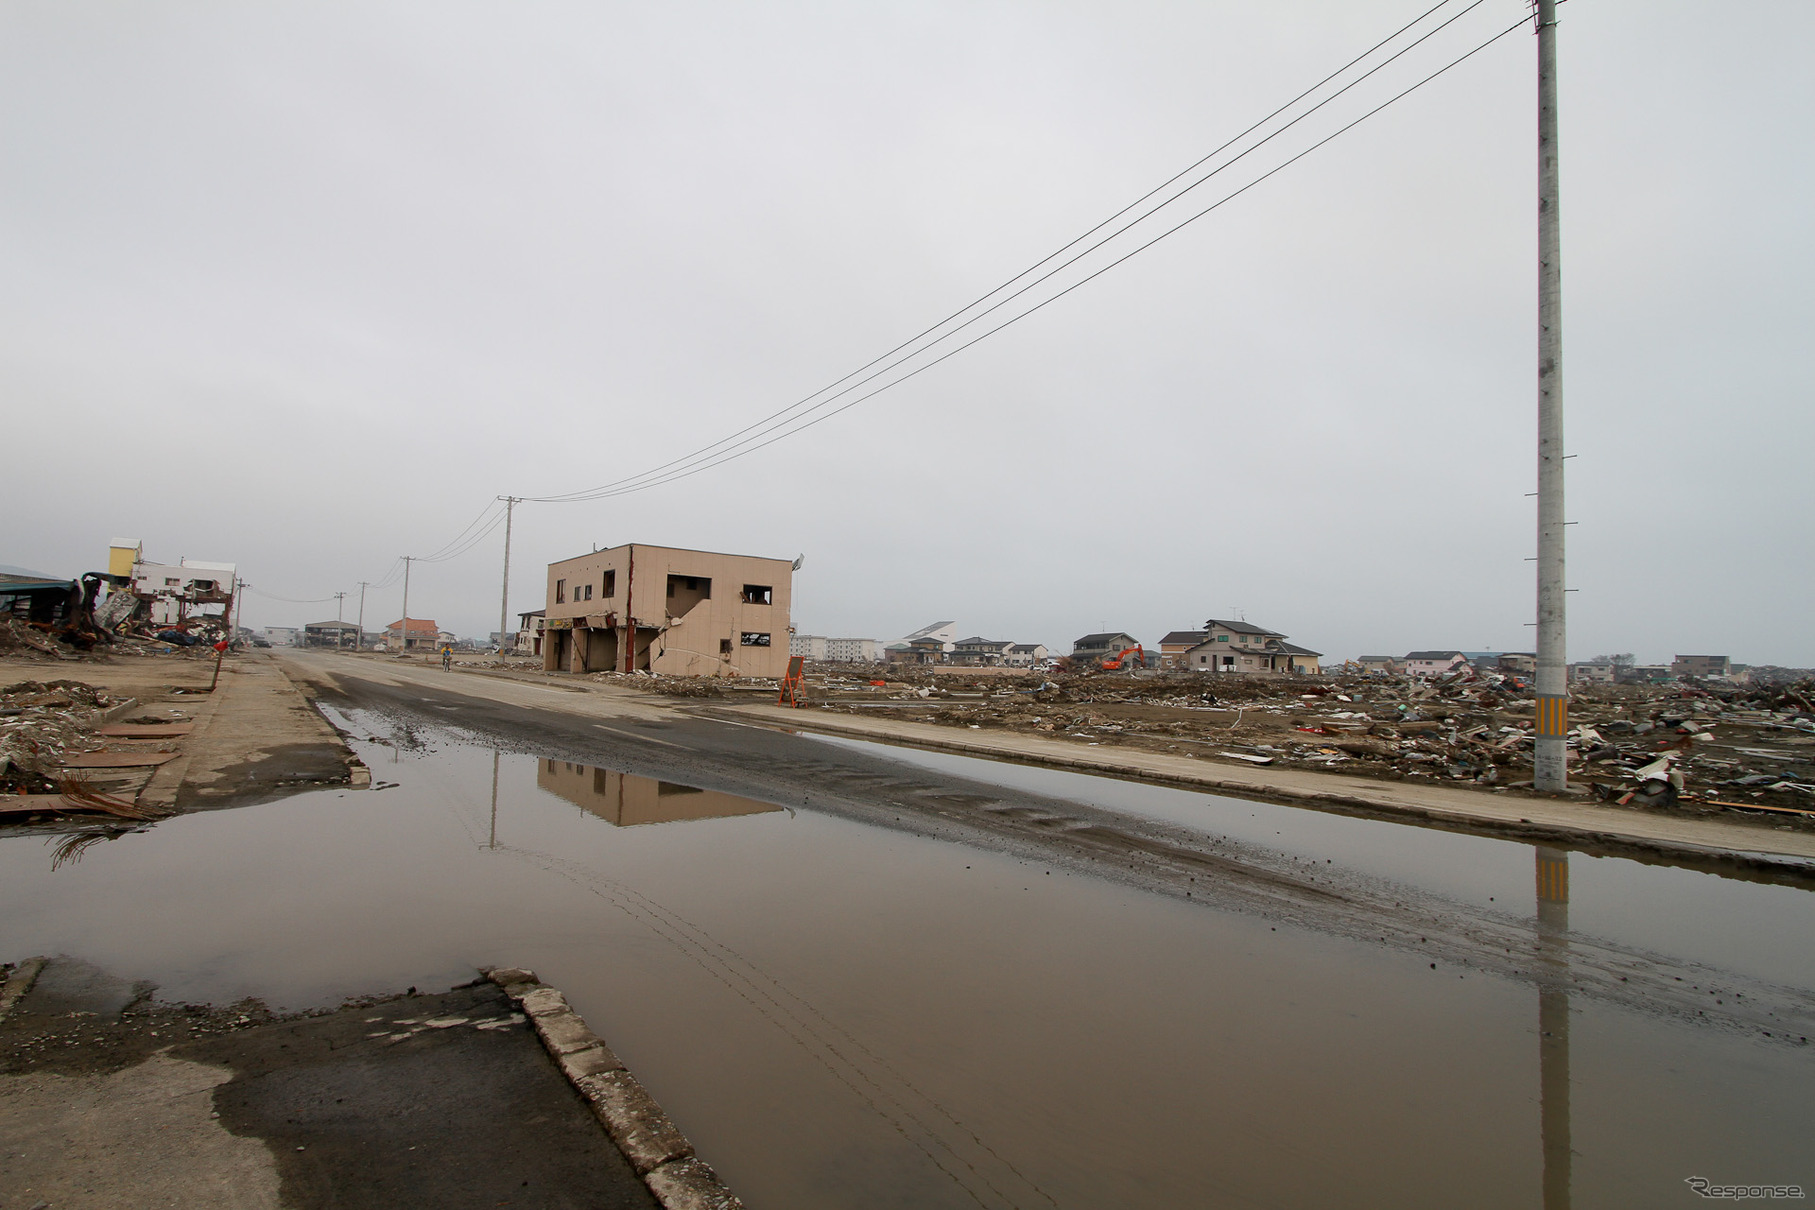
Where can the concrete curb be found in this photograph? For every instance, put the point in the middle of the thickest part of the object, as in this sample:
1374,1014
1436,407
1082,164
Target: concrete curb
1757,864
655,1147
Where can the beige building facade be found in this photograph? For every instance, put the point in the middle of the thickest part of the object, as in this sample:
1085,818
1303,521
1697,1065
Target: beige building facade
667,610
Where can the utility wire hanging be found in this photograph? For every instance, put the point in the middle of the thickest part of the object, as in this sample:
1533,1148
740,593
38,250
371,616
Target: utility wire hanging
588,493
799,422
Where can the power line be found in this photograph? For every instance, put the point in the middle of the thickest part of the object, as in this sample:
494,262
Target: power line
706,457
289,600
735,453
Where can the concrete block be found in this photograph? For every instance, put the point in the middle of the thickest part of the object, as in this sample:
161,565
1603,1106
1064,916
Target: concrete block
690,1184
589,1061
505,976
564,1033
635,1122
542,1001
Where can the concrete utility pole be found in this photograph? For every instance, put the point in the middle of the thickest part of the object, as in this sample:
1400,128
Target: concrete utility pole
1550,772
361,643
403,627
510,502
340,607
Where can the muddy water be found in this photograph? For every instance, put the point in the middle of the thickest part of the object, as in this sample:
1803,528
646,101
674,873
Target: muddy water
845,1015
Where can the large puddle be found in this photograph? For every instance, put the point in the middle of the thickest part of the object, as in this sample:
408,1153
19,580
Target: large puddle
845,1015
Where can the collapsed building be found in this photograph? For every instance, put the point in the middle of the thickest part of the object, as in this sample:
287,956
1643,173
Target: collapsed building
661,609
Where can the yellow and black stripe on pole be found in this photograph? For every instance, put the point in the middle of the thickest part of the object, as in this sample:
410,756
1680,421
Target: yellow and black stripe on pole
1553,715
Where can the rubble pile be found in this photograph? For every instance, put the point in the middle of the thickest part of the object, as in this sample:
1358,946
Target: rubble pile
40,723
1693,747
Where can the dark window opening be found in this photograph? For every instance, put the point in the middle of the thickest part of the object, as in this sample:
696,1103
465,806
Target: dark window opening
758,594
686,592
560,592
611,585
589,592
753,639
724,646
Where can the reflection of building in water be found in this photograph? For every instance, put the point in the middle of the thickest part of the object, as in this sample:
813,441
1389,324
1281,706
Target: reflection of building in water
625,799
1553,1024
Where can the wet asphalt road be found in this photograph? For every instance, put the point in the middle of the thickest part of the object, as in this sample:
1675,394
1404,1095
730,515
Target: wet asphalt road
651,739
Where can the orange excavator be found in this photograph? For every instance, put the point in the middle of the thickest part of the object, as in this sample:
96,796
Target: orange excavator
1119,661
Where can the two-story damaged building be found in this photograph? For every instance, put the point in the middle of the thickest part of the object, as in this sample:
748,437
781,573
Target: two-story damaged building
659,609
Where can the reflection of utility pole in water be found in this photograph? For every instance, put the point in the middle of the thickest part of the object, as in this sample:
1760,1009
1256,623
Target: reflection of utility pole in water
1553,1023
494,840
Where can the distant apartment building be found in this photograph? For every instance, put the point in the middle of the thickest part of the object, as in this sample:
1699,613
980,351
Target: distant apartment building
281,636
810,647
817,647
853,651
664,609
1701,665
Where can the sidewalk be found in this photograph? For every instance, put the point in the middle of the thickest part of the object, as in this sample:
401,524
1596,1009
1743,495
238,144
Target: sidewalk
1575,824
110,1098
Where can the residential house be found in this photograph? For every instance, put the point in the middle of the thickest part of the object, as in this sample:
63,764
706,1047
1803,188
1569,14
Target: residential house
979,652
282,636
668,610
946,632
1026,655
423,635
1237,646
1093,649
1174,646
1517,663
1389,665
1434,663
529,631
1592,672
928,649
1702,665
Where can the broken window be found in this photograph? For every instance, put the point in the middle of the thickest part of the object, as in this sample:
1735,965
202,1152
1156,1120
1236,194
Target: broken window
610,588
752,639
758,594
724,646
684,592
560,592
589,592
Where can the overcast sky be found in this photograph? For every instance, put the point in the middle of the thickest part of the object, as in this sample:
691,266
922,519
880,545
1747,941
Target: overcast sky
304,286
